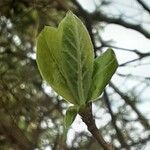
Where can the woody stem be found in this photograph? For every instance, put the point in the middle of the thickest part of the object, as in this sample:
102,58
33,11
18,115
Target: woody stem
88,119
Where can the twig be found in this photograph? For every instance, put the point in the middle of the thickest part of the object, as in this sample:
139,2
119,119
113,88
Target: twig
128,101
88,119
145,6
99,17
114,122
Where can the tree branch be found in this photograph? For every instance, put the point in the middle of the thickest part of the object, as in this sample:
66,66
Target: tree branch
132,105
88,119
98,16
144,5
114,119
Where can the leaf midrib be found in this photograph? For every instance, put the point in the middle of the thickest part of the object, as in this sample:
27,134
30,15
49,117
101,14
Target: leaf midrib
80,71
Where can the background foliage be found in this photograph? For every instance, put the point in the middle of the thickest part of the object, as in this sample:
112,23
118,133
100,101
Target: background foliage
31,114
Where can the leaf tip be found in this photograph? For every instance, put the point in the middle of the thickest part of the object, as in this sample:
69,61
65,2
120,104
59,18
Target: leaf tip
69,13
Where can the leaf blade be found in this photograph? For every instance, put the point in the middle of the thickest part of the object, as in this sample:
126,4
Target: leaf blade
47,61
67,48
79,54
104,68
70,116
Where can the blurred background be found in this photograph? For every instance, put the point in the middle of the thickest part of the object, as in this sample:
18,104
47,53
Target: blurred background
31,113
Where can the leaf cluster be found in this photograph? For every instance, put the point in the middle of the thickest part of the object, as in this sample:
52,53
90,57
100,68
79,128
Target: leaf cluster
65,58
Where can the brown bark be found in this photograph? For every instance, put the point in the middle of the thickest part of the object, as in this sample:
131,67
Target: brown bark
88,119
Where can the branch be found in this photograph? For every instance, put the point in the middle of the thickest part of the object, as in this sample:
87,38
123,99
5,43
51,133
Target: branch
114,119
144,5
141,55
98,16
141,141
132,105
88,119
134,76
128,62
116,47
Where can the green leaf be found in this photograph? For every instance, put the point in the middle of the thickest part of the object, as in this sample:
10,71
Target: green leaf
78,54
104,68
65,59
70,116
48,49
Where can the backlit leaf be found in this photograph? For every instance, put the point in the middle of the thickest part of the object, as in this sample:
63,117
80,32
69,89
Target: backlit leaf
77,51
48,48
70,116
65,59
104,67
